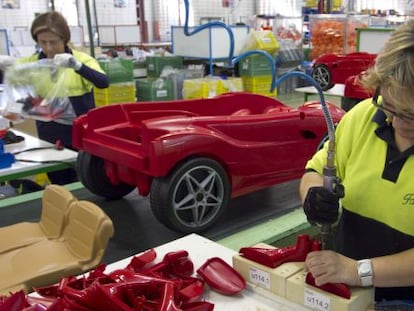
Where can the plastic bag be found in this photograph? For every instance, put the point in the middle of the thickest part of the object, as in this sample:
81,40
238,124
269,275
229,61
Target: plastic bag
37,90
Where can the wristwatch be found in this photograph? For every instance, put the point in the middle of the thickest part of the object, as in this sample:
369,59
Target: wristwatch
365,272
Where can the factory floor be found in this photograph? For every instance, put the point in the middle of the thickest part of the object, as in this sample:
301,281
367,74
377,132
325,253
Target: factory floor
136,229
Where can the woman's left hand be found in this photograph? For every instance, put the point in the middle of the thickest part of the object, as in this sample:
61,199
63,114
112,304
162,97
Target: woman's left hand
332,267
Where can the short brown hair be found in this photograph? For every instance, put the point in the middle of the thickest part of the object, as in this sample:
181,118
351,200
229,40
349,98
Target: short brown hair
53,22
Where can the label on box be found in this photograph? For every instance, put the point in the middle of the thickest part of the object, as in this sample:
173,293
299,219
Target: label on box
317,301
162,93
259,277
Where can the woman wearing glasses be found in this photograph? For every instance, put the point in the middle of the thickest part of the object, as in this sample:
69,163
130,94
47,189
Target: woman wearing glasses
52,35
374,240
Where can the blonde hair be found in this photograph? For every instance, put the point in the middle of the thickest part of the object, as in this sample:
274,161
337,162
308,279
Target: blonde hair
53,22
394,68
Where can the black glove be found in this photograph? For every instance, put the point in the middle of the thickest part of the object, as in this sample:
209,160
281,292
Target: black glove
321,205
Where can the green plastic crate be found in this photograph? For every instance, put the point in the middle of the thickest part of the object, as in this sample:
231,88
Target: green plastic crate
114,94
255,65
155,64
150,89
118,70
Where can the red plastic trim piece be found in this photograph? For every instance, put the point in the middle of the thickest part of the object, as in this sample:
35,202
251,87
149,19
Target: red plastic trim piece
339,289
221,277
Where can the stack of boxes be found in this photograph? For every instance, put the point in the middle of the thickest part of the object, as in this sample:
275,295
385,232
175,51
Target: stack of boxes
155,87
256,74
121,88
255,70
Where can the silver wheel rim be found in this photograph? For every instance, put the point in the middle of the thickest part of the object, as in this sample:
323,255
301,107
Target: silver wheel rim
321,75
198,196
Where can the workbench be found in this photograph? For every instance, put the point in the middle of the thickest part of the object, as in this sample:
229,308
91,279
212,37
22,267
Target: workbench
35,156
200,249
336,91
253,297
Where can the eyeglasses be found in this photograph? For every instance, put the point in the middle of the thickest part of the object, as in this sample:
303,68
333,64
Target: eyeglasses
379,102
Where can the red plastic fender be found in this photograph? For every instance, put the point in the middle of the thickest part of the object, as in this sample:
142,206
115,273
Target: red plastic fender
221,277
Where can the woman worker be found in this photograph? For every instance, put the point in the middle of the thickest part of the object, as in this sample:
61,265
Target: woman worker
374,239
51,32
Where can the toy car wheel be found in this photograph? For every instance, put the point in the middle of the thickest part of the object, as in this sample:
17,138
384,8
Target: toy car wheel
192,197
92,175
323,76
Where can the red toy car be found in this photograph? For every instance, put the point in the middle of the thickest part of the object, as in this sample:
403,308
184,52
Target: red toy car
354,92
330,69
191,156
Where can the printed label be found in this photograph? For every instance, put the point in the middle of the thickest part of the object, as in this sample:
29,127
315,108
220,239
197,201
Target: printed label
317,301
162,93
259,277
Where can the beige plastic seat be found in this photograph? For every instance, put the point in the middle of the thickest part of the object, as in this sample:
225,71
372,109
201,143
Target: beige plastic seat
55,202
81,248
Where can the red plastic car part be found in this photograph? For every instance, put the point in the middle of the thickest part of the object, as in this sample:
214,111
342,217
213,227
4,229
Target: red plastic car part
339,289
139,261
221,277
275,257
198,306
129,290
176,263
15,302
164,286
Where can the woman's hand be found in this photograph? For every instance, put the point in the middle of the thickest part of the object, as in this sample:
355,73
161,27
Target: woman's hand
67,60
332,267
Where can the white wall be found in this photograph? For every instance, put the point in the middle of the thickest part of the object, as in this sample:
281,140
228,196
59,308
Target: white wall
22,17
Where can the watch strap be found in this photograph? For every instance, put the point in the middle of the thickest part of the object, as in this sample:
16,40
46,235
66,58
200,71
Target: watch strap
365,272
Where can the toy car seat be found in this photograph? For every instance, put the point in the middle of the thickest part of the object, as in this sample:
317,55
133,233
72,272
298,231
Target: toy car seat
80,249
55,202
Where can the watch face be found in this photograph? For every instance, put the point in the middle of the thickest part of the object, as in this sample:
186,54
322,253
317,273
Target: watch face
365,268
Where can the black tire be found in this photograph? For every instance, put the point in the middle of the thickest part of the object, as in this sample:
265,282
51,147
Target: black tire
193,197
92,175
347,103
323,76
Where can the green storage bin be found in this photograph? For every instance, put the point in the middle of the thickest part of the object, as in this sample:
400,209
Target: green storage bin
118,70
150,89
155,64
255,65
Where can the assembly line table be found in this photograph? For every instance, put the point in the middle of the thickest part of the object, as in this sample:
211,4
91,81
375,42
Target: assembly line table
40,157
337,90
200,249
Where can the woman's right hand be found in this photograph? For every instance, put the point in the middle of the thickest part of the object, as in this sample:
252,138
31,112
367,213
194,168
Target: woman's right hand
332,267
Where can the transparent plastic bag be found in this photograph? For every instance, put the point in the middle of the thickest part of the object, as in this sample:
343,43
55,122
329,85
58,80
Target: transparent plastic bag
37,90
